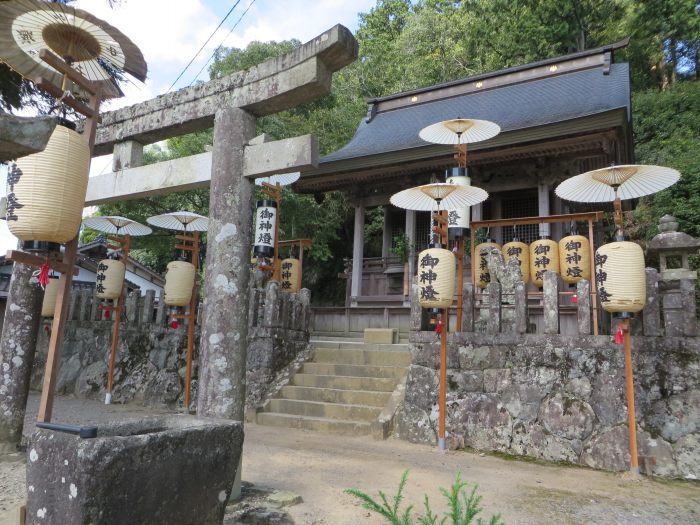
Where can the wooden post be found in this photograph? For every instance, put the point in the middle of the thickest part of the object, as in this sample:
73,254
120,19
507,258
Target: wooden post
594,285
442,445
460,281
91,113
192,319
125,243
65,283
629,379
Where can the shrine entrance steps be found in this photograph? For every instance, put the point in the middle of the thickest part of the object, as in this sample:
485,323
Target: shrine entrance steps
347,387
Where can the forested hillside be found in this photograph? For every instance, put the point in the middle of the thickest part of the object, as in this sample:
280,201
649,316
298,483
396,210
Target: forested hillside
405,45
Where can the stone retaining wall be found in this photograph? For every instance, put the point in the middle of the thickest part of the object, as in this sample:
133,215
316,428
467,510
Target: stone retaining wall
150,364
559,398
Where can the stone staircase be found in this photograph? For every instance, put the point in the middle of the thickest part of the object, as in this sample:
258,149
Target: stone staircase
347,387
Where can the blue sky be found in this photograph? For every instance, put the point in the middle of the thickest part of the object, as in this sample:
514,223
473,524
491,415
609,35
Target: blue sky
169,33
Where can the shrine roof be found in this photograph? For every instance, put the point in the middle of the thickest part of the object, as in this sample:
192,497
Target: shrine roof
393,122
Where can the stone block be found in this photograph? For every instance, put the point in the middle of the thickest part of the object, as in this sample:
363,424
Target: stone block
567,417
608,449
482,420
386,336
481,357
171,469
687,450
676,416
530,439
497,379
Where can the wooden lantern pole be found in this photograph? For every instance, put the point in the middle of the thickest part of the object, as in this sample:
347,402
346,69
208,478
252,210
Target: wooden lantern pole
67,265
629,380
124,242
190,243
440,228
461,156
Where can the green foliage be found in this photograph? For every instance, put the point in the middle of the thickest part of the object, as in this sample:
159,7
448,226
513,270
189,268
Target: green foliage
402,247
463,505
667,133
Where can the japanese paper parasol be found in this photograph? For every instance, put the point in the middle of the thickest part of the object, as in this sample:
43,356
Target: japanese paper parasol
117,225
432,196
91,46
283,179
623,182
180,220
459,131
617,183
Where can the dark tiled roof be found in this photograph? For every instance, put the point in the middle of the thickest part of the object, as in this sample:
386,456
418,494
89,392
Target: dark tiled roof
538,102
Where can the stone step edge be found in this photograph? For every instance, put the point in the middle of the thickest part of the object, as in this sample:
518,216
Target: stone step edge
319,419
317,402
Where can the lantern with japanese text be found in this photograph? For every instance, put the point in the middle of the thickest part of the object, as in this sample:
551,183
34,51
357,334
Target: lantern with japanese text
46,190
436,278
544,257
483,277
519,251
265,228
179,281
620,277
290,275
110,279
458,219
48,305
575,258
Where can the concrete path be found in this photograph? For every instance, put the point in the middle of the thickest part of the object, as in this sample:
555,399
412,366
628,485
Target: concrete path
319,466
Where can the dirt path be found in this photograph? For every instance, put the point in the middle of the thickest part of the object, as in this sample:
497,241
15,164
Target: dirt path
319,467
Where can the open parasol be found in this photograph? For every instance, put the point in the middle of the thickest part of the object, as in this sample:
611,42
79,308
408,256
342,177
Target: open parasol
459,131
91,46
623,182
617,183
180,220
283,179
117,225
432,196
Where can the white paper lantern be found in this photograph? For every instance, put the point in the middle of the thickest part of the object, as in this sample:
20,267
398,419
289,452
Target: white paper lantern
519,251
290,275
110,279
544,257
620,277
179,282
436,278
575,258
46,190
48,305
265,228
458,220
483,277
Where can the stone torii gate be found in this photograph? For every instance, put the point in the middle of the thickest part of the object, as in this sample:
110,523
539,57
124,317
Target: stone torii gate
231,104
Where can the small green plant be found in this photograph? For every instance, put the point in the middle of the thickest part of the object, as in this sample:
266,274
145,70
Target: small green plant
401,246
464,505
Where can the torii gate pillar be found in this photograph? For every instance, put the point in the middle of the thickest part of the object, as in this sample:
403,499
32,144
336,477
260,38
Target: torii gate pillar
222,350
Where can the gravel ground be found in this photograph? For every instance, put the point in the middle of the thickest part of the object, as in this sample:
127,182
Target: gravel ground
318,467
